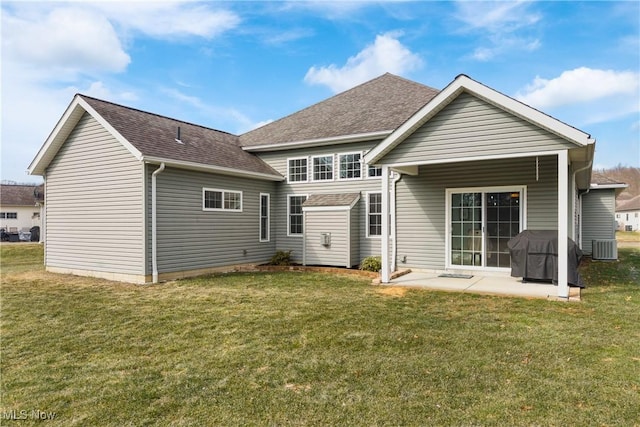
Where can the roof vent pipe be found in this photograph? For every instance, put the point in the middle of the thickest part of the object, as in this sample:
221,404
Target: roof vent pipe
178,140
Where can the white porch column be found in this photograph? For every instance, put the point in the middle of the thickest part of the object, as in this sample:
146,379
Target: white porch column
563,235
385,226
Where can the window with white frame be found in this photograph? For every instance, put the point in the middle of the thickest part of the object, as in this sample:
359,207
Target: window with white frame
221,200
374,214
9,215
264,217
373,171
350,165
297,169
322,168
295,216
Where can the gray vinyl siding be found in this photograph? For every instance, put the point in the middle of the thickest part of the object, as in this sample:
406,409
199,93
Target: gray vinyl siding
471,127
354,218
598,217
421,202
94,204
192,239
334,222
278,160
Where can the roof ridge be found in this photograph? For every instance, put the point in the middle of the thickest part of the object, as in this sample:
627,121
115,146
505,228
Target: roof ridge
344,93
155,114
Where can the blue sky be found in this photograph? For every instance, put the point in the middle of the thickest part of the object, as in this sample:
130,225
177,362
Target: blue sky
236,65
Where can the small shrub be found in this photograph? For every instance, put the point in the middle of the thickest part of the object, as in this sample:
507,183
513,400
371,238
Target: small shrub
371,263
281,258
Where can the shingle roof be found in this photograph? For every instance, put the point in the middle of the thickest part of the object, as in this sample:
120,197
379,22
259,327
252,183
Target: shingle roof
341,199
21,195
600,179
155,136
381,104
632,204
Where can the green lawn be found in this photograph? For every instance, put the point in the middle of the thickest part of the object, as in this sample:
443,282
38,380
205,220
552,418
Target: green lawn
628,236
312,349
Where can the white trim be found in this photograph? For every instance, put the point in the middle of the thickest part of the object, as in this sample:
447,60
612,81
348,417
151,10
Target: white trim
211,168
384,240
289,159
367,235
348,263
223,192
326,208
289,196
318,142
303,235
461,84
366,171
595,186
268,196
474,159
522,189
154,224
563,235
63,129
351,153
312,173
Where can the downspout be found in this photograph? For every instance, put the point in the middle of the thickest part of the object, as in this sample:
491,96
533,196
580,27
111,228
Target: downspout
154,223
43,216
394,250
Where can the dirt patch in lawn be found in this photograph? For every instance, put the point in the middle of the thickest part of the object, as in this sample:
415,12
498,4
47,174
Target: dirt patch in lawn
392,291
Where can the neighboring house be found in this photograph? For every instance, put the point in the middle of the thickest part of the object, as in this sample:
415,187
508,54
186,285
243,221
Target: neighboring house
20,207
436,180
598,224
628,214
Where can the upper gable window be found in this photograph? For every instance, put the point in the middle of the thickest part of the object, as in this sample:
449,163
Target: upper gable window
221,200
322,168
297,169
350,165
374,172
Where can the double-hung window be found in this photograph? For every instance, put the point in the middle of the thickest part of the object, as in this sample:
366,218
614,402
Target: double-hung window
322,168
221,200
294,215
9,215
297,169
350,165
264,217
374,214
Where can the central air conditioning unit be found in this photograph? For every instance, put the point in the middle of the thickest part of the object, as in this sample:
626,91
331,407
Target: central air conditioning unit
604,249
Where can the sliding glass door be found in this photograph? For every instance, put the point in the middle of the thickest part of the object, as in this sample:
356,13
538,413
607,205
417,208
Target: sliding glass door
481,222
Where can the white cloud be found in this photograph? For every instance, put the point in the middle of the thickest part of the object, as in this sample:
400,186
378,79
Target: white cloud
170,19
333,10
501,23
68,38
580,85
213,113
502,45
386,54
496,16
51,50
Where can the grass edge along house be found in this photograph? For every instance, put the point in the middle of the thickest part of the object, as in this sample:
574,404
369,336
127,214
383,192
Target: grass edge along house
429,179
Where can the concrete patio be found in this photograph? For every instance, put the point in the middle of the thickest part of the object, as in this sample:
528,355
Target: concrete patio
483,284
